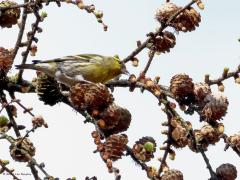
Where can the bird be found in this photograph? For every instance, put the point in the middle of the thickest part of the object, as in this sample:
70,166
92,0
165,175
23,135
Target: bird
87,68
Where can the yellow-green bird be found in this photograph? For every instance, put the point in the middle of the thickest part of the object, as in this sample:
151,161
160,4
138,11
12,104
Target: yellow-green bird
90,68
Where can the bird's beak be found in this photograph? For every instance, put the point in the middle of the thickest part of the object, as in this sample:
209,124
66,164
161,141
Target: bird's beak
125,71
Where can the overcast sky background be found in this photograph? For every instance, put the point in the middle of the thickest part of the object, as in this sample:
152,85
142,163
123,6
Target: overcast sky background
66,146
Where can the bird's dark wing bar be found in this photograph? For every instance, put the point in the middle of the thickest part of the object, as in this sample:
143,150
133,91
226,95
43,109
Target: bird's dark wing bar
36,61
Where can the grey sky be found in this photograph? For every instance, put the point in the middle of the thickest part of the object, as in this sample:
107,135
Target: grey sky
66,146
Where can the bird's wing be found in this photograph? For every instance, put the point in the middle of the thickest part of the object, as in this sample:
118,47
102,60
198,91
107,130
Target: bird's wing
82,59
79,64
76,65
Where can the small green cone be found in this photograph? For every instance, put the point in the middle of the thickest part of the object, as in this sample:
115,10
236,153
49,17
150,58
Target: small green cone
3,121
149,146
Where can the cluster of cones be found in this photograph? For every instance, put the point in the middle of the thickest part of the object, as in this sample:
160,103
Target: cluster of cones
187,20
211,106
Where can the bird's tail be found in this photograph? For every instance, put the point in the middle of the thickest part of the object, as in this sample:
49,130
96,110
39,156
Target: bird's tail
26,66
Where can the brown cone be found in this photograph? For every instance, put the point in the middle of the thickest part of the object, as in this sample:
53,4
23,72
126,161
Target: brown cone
5,60
90,96
179,134
48,89
10,16
201,90
165,11
114,119
140,152
199,140
163,43
216,107
114,147
172,175
188,20
209,134
23,150
152,172
234,141
227,172
181,85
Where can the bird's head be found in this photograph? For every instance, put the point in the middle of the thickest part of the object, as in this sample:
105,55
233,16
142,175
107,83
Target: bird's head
122,65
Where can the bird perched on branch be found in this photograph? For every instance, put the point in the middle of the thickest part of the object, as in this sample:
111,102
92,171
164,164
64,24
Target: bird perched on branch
69,70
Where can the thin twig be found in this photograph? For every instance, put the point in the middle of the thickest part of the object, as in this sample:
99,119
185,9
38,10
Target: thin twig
222,78
26,4
4,106
126,83
142,165
34,163
42,169
166,152
27,133
29,43
20,33
26,110
236,151
4,168
212,173
152,53
10,115
34,171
